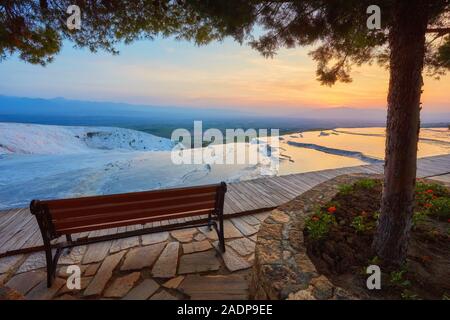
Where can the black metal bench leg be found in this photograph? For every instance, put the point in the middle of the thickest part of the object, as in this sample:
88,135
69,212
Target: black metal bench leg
50,266
220,232
210,221
52,262
221,237
220,203
69,241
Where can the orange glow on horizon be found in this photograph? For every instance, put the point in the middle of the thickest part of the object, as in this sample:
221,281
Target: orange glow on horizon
245,79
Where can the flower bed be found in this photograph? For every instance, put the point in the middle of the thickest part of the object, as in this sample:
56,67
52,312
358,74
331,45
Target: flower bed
339,237
319,245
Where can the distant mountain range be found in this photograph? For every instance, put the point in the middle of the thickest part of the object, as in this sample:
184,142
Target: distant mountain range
377,115
162,120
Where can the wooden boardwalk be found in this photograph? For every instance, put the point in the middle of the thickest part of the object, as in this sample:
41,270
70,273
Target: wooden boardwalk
19,231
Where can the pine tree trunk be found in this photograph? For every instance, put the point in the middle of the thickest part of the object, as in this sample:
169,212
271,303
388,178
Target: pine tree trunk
407,46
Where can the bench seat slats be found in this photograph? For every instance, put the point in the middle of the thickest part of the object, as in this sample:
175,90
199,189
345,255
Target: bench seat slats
122,223
111,208
169,211
128,197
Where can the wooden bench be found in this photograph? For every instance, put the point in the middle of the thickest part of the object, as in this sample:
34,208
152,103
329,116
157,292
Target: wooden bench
157,211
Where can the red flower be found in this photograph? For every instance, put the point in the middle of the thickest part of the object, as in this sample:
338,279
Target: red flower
448,220
426,258
428,205
314,218
363,214
332,209
429,191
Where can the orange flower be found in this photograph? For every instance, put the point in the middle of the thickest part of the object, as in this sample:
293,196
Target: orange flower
426,258
364,214
332,209
428,205
315,218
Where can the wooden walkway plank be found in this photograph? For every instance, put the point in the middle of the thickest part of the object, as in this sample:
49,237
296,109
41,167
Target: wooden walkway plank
302,181
20,236
286,189
260,197
7,216
15,227
13,217
246,203
277,194
296,187
263,192
254,202
234,203
35,240
311,179
443,178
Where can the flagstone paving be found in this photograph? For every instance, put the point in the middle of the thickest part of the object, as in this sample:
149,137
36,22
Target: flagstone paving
166,265
233,287
143,291
196,246
182,264
243,246
8,262
139,258
121,286
199,262
154,238
34,261
234,261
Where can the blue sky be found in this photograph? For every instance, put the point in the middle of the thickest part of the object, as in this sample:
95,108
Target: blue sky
178,73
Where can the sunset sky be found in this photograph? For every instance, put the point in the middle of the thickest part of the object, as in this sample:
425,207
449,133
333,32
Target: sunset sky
178,73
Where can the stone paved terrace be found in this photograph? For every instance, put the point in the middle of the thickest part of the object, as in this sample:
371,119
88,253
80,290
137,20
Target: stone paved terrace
182,264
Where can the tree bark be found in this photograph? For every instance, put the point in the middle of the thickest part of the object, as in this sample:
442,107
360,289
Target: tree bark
407,50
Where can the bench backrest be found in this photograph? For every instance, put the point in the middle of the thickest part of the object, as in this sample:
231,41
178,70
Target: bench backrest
68,216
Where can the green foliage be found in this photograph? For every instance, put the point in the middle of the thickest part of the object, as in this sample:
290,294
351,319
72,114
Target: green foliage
438,190
345,189
376,215
433,200
366,183
374,261
442,57
440,207
409,295
318,225
35,30
397,278
419,217
361,224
